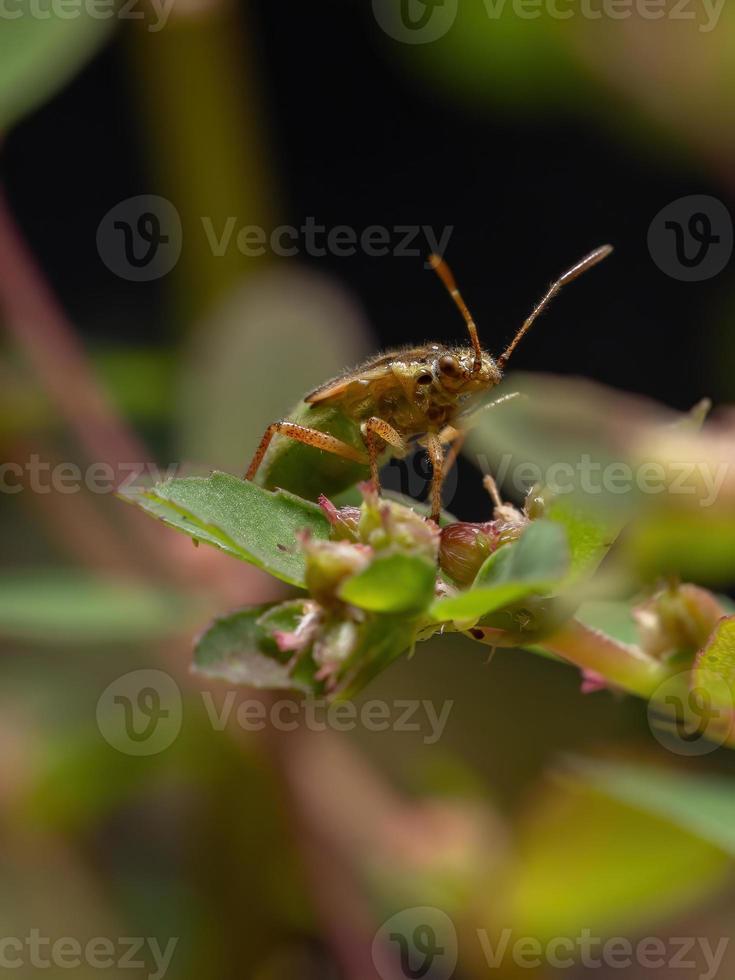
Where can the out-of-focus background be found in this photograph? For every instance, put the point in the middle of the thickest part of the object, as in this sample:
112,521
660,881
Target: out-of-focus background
208,208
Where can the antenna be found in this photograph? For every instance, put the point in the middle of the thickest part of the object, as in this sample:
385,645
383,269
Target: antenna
569,276
441,268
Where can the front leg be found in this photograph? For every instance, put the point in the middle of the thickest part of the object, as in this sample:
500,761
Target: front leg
436,455
376,430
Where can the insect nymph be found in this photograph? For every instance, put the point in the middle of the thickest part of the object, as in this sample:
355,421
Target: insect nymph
342,431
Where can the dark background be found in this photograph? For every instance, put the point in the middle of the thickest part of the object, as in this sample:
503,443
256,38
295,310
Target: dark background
356,140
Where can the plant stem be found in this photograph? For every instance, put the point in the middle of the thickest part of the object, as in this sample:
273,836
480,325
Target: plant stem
623,665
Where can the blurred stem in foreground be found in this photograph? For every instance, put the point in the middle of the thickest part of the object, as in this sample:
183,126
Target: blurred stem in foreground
199,91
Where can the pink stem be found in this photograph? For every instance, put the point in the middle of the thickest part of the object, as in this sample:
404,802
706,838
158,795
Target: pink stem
33,316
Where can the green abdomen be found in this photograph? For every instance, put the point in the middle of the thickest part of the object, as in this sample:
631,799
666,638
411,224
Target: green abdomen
306,471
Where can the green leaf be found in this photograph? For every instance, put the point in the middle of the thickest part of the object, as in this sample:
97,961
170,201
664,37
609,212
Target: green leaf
39,54
589,537
533,564
396,583
698,546
614,618
475,603
703,805
714,668
586,857
66,607
240,648
238,517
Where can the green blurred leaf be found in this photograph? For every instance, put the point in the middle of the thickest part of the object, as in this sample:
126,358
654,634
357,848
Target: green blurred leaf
714,668
140,379
698,545
392,584
589,537
238,517
38,54
586,858
610,617
701,804
65,607
240,648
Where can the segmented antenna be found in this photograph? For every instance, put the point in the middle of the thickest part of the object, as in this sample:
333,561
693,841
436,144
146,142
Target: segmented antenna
569,276
441,268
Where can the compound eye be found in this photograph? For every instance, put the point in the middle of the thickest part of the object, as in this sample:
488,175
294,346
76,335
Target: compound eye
449,366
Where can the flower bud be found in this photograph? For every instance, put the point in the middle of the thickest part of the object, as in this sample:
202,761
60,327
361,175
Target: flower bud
678,619
464,547
344,520
328,563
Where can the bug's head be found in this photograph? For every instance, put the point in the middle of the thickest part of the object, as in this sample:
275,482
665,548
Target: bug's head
459,372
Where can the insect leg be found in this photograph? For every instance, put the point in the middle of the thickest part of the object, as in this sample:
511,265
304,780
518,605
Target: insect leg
374,429
491,486
449,436
436,455
309,437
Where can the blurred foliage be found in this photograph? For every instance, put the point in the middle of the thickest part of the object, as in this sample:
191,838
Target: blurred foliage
649,78
38,54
